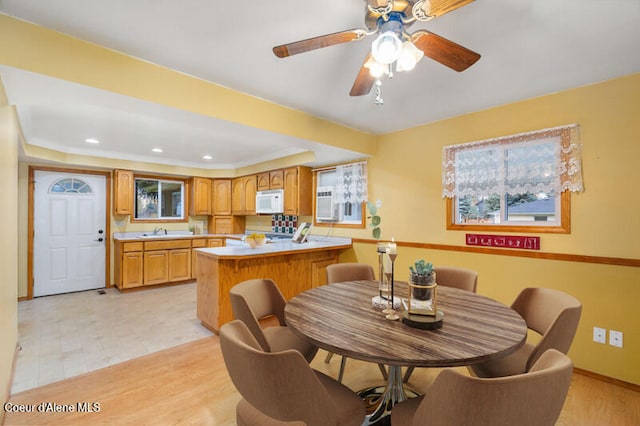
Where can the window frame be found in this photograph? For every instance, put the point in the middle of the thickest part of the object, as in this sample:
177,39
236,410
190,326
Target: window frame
336,224
571,180
170,179
563,228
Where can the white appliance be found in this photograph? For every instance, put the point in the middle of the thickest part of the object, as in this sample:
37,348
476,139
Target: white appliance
326,209
270,202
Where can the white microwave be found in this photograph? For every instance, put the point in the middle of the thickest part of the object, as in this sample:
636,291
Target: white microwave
270,202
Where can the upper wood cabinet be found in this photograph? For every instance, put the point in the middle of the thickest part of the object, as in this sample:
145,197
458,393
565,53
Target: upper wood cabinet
243,197
298,183
200,196
271,180
123,190
221,197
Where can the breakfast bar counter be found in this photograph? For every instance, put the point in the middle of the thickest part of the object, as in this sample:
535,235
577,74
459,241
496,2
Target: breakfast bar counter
294,268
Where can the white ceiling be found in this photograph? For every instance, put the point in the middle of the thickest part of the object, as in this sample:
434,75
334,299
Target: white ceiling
529,48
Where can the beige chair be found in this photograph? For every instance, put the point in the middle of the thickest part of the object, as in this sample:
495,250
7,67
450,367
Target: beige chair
280,388
530,399
340,272
552,314
449,276
254,300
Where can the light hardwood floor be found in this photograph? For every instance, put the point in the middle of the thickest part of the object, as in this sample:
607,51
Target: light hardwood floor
189,385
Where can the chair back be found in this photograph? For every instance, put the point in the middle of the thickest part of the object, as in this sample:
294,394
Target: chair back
464,279
339,272
253,300
281,385
551,313
528,399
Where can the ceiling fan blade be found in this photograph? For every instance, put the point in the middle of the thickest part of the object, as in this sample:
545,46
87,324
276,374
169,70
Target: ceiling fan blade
440,7
364,80
445,51
313,43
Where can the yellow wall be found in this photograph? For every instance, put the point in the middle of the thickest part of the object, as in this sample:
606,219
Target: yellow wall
8,244
405,176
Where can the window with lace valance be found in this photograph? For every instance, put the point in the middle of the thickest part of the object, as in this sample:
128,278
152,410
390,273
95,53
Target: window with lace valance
523,181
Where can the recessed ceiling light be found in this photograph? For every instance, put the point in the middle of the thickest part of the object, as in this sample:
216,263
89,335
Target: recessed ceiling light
91,140
207,157
157,150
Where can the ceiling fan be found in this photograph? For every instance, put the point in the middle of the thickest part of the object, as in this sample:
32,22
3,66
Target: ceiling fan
391,18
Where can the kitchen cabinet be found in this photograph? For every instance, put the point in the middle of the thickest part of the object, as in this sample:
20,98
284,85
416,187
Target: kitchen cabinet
298,183
200,196
226,224
243,195
179,264
156,267
123,192
270,180
221,197
146,263
128,266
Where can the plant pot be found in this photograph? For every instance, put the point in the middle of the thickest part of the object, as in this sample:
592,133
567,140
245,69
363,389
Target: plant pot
421,293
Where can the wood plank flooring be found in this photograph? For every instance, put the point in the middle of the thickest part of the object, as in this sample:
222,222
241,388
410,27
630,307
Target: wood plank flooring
189,385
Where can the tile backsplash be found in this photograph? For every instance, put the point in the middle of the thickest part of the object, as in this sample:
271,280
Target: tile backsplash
284,224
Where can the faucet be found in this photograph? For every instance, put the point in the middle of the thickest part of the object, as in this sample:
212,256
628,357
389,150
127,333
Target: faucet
158,229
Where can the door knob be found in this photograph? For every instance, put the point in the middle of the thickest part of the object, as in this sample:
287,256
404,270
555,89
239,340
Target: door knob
100,231
99,240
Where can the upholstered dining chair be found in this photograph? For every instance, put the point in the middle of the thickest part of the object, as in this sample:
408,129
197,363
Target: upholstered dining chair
350,271
254,300
281,388
450,276
534,398
553,314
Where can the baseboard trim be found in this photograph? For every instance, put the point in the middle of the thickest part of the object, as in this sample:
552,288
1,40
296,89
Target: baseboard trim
7,393
607,379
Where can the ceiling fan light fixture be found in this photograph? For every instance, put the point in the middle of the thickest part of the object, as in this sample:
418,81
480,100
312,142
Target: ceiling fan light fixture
376,69
409,56
386,48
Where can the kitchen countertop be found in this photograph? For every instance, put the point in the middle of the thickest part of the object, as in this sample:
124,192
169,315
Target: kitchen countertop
276,248
138,236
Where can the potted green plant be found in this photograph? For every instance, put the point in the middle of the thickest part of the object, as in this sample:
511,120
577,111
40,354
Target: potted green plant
422,273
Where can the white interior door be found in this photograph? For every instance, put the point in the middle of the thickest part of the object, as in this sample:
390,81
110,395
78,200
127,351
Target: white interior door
69,232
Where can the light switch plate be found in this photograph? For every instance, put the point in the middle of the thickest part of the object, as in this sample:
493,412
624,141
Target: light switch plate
599,335
615,338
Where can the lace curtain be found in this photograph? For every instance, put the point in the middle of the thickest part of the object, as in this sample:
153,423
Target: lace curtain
351,183
547,161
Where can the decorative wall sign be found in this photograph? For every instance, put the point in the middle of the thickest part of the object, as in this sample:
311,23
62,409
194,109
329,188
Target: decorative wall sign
504,241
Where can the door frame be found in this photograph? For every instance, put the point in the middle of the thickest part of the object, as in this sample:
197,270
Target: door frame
30,230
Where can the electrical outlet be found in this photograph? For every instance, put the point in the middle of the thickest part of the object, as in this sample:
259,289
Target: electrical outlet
378,203
599,335
615,338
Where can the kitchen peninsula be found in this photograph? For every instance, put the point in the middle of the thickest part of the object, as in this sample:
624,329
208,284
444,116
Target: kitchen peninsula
294,267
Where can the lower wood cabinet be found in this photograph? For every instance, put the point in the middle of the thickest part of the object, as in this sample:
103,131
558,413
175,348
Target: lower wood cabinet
143,263
156,267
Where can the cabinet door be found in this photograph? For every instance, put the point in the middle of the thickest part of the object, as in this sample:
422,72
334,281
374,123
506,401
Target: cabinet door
156,267
215,242
132,268
250,189
264,181
123,189
200,202
291,191
179,264
276,179
237,196
221,197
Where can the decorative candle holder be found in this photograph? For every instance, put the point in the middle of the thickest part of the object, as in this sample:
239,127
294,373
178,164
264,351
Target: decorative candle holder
383,288
391,314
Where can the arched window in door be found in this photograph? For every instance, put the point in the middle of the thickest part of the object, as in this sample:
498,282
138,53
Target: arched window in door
70,185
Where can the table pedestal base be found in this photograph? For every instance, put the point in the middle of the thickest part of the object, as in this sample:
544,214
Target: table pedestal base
379,400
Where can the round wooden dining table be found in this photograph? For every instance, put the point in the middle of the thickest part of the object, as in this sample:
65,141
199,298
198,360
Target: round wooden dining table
340,318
